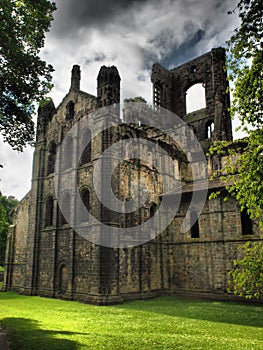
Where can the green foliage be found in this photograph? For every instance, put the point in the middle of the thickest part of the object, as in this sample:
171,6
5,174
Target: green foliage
3,232
245,61
35,323
248,93
6,206
248,188
247,275
135,99
243,172
243,169
24,78
9,203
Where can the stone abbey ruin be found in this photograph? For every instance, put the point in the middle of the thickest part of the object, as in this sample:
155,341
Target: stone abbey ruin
47,257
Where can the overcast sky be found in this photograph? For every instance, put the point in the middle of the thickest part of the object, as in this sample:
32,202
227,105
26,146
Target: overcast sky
131,34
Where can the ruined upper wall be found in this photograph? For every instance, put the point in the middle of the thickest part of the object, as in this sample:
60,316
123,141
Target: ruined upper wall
76,103
170,89
54,122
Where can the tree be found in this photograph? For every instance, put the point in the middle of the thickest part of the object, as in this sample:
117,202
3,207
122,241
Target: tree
245,62
6,206
9,203
247,276
24,77
3,233
135,99
246,70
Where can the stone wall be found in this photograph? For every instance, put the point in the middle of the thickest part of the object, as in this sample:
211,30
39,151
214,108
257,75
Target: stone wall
202,264
16,249
45,256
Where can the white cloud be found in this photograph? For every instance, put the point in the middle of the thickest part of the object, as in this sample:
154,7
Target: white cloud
15,176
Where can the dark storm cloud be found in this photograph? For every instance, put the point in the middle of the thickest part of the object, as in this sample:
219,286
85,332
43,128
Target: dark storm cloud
72,15
202,21
141,31
135,34
185,51
166,42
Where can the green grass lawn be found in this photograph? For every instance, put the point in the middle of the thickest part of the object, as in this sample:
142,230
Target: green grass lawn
163,323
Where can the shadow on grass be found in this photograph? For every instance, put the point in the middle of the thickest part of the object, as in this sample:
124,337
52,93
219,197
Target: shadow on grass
213,311
25,334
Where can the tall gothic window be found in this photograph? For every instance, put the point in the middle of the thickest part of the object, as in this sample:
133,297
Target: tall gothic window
246,223
194,224
67,153
195,98
86,145
209,128
85,197
70,111
51,158
49,211
65,215
153,210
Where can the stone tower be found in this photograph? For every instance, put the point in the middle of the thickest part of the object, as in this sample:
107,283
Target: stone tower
108,86
75,78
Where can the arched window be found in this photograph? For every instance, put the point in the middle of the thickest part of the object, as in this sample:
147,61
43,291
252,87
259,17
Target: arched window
67,153
194,224
195,98
153,210
246,223
70,111
193,69
86,145
85,197
49,211
209,128
64,215
51,158
63,279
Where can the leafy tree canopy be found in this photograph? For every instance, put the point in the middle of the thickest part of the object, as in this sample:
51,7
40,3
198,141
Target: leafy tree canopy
245,62
9,203
3,233
244,167
6,206
135,99
246,279
24,77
